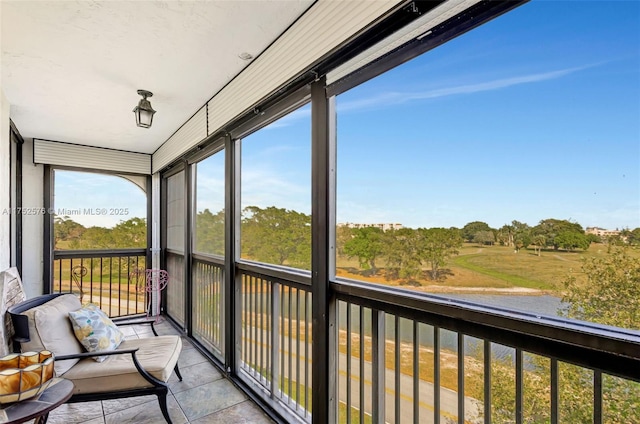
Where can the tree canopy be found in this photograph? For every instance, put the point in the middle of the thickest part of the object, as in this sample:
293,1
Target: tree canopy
611,294
470,230
277,236
209,236
69,234
439,244
366,244
404,253
561,234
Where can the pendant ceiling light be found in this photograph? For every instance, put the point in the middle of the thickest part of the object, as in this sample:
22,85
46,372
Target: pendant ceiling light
144,112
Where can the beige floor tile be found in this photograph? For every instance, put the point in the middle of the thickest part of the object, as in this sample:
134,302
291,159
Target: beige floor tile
147,413
243,413
99,420
76,413
204,396
193,376
114,405
209,398
190,357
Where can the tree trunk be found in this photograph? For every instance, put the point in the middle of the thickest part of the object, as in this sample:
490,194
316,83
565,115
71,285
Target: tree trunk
372,265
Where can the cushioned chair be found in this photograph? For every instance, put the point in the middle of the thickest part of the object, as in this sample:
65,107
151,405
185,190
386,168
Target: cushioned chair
137,367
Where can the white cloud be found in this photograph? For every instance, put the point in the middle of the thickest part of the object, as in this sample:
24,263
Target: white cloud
264,187
397,97
210,193
290,119
97,200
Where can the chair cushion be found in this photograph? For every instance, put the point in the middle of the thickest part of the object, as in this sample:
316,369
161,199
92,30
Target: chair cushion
157,355
50,329
94,330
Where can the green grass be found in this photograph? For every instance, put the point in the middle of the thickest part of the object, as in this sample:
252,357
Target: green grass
486,267
479,264
342,407
355,414
116,272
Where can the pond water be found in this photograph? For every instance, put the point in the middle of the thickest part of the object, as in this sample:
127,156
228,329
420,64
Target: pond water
543,305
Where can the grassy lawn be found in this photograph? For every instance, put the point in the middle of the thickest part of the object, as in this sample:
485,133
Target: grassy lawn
498,267
113,270
516,269
342,407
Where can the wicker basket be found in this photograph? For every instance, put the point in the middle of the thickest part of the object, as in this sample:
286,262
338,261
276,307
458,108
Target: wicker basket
25,375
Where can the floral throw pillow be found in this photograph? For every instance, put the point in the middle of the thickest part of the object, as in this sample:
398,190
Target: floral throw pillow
94,330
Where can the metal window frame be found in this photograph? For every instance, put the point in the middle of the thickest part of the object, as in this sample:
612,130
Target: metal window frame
16,245
48,238
455,26
323,310
171,172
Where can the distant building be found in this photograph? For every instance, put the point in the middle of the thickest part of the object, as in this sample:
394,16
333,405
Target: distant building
383,227
601,232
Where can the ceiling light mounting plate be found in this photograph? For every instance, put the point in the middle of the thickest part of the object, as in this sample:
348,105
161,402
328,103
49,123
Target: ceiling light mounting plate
145,93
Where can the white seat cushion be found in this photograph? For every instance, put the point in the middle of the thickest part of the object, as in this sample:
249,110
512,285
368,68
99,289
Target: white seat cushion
157,355
50,329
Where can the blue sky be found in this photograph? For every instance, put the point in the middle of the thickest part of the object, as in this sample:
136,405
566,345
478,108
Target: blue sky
534,115
101,200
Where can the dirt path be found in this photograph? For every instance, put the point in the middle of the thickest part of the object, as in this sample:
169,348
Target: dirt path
562,259
520,291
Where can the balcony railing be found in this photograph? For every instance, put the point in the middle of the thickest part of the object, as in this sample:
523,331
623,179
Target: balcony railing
403,356
208,303
276,337
410,357
111,279
176,287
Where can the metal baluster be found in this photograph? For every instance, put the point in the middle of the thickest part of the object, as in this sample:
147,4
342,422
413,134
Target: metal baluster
297,349
554,391
487,381
290,344
397,390
461,412
519,386
348,340
378,341
597,397
362,406
307,330
436,375
275,335
416,373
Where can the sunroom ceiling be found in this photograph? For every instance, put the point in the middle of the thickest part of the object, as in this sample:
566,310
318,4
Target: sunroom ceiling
70,69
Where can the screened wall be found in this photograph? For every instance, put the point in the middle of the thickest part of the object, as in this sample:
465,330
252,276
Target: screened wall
413,237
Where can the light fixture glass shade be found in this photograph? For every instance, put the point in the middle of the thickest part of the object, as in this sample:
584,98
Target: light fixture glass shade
144,112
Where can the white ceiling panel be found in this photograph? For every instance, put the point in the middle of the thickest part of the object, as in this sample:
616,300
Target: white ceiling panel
70,69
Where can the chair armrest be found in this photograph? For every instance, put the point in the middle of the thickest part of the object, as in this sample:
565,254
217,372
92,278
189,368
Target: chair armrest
92,354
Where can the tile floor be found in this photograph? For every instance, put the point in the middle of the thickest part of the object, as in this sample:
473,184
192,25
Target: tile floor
203,396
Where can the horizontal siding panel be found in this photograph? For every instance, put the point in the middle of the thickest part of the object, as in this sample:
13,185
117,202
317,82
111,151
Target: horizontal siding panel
190,134
89,157
325,26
